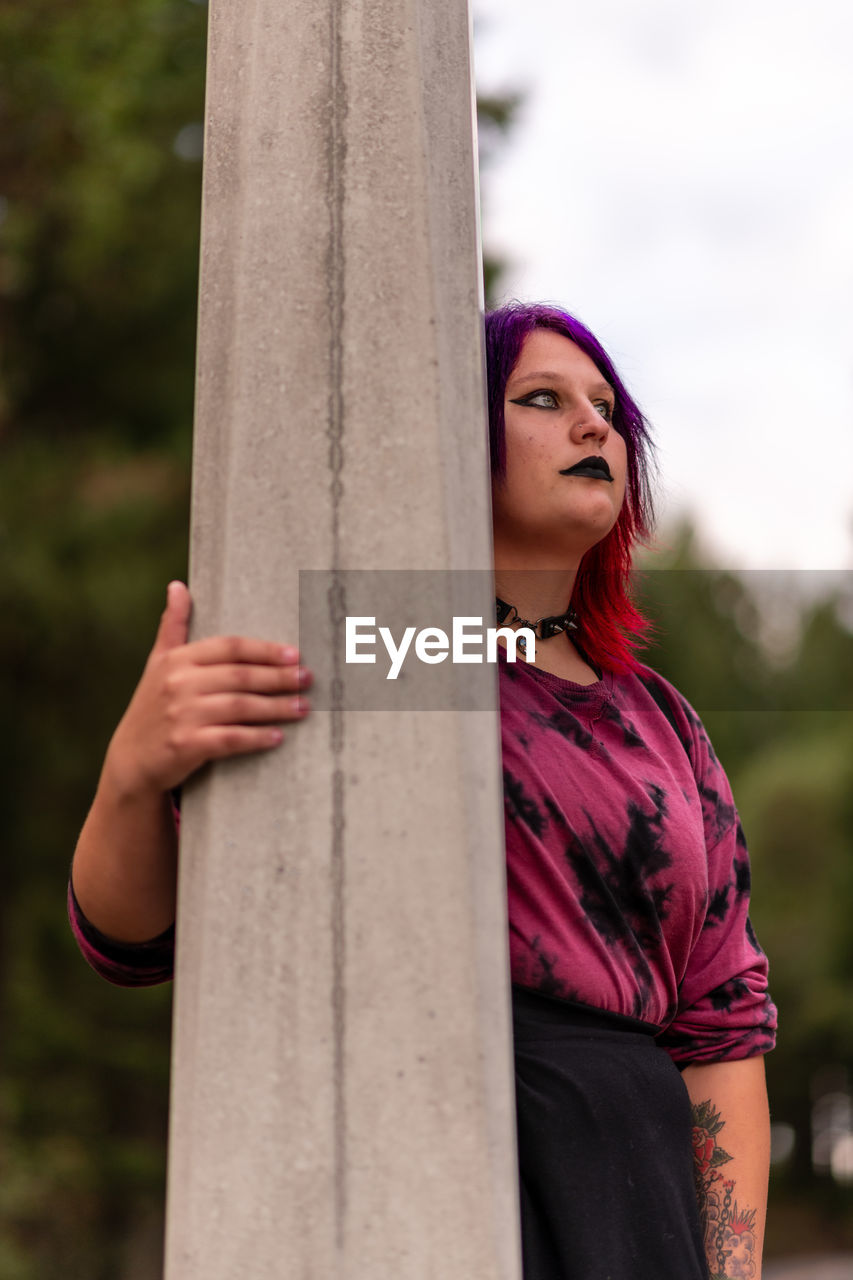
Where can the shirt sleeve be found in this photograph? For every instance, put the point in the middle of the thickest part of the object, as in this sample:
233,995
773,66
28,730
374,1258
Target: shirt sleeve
724,1007
126,964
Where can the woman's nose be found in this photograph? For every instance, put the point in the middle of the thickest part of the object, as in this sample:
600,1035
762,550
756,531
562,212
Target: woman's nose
589,426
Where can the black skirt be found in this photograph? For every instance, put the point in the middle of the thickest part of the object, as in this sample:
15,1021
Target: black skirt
604,1144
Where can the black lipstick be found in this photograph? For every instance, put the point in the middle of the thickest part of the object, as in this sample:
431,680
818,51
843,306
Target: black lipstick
594,466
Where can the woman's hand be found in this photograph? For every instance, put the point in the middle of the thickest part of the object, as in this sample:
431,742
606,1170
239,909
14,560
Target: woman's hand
218,697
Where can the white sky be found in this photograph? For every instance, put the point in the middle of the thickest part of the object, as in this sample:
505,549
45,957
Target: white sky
681,177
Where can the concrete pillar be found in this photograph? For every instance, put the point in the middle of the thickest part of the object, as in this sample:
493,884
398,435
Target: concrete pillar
342,1087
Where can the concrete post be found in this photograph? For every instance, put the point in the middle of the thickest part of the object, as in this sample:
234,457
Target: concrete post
342,1086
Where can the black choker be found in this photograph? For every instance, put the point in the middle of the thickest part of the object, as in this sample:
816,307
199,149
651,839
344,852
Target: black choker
544,629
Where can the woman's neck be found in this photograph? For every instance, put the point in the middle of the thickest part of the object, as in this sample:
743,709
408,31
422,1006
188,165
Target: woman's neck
535,593
545,593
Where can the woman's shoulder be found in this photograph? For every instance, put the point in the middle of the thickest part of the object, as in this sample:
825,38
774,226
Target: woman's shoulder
663,691
648,688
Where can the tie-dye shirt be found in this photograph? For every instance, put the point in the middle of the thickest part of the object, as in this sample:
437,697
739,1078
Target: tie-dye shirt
627,866
627,869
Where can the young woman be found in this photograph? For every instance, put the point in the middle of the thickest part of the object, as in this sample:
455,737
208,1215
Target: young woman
640,1002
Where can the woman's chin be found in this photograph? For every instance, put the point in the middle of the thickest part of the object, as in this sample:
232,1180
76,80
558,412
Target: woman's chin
588,532
555,544
555,554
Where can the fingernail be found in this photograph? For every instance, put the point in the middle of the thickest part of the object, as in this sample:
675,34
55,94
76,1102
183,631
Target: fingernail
302,706
303,675
289,653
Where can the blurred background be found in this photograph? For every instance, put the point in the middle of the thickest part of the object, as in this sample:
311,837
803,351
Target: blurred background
681,180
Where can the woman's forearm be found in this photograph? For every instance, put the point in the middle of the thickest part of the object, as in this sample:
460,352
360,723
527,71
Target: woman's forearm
731,1147
125,864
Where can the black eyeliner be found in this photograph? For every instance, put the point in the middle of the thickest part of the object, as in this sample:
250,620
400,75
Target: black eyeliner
531,395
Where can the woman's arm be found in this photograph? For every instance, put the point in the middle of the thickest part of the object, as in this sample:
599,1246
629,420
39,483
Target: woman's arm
125,865
731,1148
197,702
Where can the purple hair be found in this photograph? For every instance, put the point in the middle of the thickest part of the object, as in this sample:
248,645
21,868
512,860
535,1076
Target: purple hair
610,627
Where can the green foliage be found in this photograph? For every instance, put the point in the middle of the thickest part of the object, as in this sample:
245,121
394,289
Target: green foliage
706,643
98,265
84,1073
496,114
99,250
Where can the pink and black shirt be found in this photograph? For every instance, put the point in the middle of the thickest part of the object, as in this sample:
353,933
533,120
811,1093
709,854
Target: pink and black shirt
627,865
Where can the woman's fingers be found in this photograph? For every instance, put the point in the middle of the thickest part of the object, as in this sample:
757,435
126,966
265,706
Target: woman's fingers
250,708
242,649
242,678
220,725
175,618
217,742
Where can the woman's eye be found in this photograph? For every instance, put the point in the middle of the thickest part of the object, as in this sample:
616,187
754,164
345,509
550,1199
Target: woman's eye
605,408
539,400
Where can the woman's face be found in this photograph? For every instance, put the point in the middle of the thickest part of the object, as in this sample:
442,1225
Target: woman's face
558,412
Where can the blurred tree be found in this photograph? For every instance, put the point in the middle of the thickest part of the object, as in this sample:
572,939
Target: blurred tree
798,794
98,260
496,114
707,641
100,239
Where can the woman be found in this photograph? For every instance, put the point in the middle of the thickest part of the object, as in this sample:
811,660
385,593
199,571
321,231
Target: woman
639,997
628,876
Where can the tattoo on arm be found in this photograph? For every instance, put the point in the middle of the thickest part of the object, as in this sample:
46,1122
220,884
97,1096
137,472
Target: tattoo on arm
729,1229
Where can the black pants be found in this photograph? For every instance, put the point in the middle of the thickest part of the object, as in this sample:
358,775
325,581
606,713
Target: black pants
604,1143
